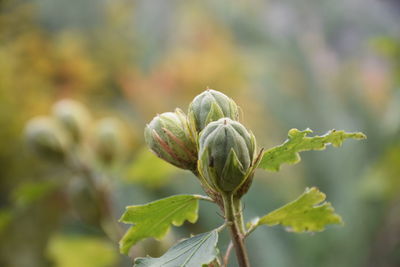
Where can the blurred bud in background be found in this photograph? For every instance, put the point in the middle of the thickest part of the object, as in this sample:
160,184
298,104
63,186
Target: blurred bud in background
45,137
73,116
110,139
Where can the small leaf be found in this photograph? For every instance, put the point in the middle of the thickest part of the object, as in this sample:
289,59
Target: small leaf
154,219
195,251
297,142
307,213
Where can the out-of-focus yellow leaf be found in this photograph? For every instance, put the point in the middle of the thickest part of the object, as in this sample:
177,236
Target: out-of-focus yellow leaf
30,192
382,181
81,251
5,219
149,170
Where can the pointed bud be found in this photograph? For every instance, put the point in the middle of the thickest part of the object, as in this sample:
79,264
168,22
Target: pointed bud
226,154
210,106
73,116
46,138
168,136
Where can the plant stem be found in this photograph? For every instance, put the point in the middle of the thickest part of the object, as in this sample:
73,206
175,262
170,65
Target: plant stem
102,196
234,223
227,254
237,204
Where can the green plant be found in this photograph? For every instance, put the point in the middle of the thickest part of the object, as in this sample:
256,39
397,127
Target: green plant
223,155
71,141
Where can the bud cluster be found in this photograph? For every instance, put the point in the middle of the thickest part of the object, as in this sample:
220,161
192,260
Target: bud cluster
69,128
209,141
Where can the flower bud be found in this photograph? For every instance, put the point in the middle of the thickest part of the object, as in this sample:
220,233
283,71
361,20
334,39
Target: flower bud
73,116
109,139
226,154
210,106
46,138
168,136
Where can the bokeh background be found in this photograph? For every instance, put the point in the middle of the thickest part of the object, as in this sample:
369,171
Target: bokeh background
304,63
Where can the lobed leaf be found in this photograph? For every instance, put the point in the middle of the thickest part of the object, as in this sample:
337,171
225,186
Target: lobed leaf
298,141
154,219
195,251
307,213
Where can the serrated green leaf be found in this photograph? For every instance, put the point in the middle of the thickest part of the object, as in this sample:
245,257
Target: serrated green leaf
154,219
298,141
307,213
195,251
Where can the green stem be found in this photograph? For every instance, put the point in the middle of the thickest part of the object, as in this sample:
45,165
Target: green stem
237,204
235,229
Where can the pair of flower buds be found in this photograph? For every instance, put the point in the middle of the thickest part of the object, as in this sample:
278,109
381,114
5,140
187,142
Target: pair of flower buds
209,141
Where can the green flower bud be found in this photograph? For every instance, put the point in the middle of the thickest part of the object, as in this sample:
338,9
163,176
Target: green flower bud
210,106
46,138
168,136
226,154
109,140
73,116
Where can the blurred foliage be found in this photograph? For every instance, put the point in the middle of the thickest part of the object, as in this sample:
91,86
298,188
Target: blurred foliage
382,180
29,192
81,251
5,219
149,170
323,65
